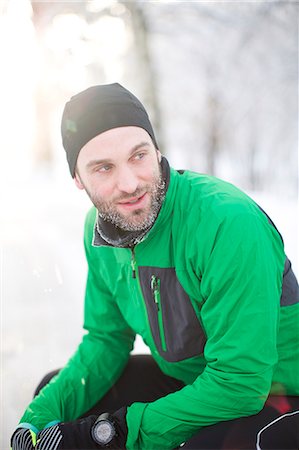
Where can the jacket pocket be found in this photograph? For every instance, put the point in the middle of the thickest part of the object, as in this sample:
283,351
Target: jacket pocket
155,287
175,328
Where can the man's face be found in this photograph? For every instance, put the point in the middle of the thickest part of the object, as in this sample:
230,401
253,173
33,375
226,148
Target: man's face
120,171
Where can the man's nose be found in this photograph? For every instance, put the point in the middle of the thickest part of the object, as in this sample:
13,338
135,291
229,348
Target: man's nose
127,181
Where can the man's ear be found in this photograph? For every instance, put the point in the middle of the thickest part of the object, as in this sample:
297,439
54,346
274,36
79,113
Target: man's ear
159,155
78,181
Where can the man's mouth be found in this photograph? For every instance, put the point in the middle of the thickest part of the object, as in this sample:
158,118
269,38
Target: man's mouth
131,202
134,201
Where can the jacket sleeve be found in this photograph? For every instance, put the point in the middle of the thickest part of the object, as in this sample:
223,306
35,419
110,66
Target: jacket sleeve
240,274
98,361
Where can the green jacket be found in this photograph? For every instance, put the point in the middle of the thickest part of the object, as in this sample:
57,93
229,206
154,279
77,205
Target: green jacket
204,290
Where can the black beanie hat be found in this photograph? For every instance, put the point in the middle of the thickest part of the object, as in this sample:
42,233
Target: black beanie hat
98,109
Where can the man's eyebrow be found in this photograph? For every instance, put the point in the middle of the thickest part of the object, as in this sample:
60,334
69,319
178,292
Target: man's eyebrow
96,162
138,146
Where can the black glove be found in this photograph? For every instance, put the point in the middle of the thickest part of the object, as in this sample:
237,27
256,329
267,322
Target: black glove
76,435
68,435
23,439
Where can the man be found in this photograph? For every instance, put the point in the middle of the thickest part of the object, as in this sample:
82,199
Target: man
197,269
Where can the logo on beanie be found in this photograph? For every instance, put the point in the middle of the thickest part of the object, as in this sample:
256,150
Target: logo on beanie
71,126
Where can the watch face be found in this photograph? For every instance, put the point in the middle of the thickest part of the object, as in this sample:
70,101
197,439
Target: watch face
103,432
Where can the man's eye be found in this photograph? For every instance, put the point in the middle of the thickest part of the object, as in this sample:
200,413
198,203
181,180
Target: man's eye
140,155
104,169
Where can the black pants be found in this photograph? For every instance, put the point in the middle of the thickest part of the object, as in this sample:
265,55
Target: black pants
275,427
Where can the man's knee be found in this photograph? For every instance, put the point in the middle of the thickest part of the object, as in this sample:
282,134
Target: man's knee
281,433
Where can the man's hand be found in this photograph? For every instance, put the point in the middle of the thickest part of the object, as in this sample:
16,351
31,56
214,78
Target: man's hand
23,439
76,435
68,436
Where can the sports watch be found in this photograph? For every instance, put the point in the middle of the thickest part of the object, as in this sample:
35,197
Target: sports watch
103,430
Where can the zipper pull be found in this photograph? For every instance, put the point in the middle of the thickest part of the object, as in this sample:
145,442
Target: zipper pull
133,264
155,287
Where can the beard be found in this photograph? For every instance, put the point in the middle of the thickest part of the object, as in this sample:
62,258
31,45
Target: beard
140,219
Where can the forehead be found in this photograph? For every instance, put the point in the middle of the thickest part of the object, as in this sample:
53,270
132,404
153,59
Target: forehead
115,141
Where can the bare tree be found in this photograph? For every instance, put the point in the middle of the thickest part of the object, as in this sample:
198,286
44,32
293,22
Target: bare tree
144,65
140,57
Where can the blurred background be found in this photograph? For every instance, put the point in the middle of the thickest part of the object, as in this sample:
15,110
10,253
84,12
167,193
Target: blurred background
220,82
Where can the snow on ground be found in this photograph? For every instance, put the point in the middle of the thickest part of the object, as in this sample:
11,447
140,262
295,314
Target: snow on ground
43,273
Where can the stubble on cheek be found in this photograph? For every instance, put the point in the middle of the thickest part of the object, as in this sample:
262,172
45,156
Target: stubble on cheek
139,219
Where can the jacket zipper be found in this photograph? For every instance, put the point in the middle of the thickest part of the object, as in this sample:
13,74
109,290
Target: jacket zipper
135,275
133,263
155,287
